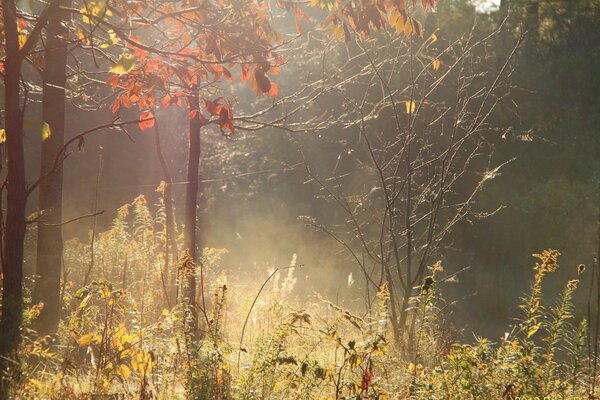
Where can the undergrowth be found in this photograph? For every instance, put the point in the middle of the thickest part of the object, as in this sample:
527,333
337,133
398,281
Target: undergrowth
127,334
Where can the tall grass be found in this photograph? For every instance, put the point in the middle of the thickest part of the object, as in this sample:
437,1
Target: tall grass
126,334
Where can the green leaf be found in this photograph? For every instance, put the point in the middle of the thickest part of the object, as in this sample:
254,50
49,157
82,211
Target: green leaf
124,65
46,131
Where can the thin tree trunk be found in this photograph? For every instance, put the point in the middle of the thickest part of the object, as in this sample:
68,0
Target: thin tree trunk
393,307
171,240
191,200
50,243
596,267
503,8
14,235
532,23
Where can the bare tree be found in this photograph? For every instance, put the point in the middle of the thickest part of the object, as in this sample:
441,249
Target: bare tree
423,153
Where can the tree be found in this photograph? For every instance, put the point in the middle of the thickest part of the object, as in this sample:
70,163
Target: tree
180,57
422,113
16,186
21,34
50,241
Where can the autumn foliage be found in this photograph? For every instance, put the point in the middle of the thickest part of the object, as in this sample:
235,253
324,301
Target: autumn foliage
190,53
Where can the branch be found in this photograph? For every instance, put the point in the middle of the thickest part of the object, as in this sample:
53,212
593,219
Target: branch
62,154
74,219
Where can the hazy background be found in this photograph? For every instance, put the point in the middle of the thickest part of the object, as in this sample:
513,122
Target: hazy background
550,192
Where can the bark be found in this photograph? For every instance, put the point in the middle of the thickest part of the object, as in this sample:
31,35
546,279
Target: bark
393,307
533,20
191,201
503,8
14,235
50,243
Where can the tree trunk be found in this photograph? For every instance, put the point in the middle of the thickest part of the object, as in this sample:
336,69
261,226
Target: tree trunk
532,22
503,8
14,235
191,200
171,240
50,243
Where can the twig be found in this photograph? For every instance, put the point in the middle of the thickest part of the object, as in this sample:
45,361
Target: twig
254,302
93,239
75,219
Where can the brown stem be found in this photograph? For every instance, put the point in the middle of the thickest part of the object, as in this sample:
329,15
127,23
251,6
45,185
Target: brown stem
12,269
170,239
191,201
95,211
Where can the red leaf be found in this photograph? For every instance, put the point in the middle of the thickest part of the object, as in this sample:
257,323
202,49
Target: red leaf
366,381
116,106
147,120
297,18
347,36
211,106
113,80
273,91
244,75
263,83
229,126
225,116
227,74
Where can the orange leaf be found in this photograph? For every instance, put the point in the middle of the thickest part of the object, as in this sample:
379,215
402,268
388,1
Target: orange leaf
273,90
227,74
418,27
297,18
245,73
347,37
213,107
147,120
116,106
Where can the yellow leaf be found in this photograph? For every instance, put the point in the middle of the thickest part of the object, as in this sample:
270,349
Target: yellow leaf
112,39
142,362
397,20
124,65
436,64
46,131
22,40
88,339
123,371
433,37
97,9
2,135
411,106
82,36
533,330
355,360
408,28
